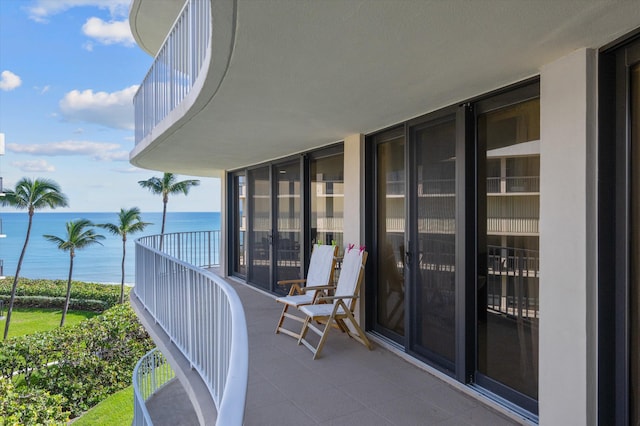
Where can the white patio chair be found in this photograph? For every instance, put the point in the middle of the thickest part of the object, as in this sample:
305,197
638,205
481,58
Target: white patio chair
304,291
334,310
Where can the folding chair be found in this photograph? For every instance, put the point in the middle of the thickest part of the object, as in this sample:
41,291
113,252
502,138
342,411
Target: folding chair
334,310
305,291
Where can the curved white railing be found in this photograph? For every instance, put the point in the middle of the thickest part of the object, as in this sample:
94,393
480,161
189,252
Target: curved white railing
175,68
200,312
151,373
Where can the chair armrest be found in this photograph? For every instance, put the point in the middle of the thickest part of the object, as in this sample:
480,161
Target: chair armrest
320,287
298,281
329,298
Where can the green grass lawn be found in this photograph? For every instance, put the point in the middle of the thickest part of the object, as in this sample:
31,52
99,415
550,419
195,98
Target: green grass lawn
115,410
32,320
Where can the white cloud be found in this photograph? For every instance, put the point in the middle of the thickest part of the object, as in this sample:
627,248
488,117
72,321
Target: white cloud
43,9
43,89
113,110
9,81
112,32
98,151
34,166
127,170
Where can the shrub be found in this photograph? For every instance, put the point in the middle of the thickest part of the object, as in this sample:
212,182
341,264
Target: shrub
82,364
56,302
110,294
35,407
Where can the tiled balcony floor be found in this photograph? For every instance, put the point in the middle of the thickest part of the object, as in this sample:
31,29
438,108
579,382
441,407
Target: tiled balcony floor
347,385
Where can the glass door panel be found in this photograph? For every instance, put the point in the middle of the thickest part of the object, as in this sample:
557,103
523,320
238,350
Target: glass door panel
508,249
435,254
260,227
327,200
634,291
288,229
240,224
390,234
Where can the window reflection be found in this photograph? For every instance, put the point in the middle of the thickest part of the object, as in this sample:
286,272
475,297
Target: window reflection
327,200
508,287
435,258
634,319
390,233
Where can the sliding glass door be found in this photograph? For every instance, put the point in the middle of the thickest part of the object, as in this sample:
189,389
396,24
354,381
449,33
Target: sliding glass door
433,250
279,210
260,227
390,244
454,199
239,224
288,224
508,245
634,261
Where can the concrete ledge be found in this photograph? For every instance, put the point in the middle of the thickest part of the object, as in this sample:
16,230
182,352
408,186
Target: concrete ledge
194,386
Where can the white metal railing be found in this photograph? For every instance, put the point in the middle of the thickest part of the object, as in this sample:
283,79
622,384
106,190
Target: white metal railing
175,69
150,375
198,248
201,313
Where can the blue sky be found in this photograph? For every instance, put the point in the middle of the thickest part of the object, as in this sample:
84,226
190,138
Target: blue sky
68,73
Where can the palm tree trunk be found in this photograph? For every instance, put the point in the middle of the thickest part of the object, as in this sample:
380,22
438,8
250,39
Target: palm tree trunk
164,217
15,278
124,252
66,302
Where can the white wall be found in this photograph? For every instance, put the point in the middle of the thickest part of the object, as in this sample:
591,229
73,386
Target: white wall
354,200
567,96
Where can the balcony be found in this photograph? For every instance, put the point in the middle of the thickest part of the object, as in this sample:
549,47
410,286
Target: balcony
283,385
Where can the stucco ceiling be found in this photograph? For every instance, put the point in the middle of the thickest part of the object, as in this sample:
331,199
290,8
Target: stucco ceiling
306,73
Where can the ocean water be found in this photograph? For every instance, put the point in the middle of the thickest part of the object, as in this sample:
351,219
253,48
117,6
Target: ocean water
97,263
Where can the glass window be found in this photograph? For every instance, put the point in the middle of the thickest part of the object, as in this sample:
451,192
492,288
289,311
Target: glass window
435,256
508,308
634,291
240,224
390,232
327,200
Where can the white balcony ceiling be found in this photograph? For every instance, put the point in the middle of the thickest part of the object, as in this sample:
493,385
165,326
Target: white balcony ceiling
306,73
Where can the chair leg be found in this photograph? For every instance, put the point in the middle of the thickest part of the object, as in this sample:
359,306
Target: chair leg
303,332
361,337
284,311
323,339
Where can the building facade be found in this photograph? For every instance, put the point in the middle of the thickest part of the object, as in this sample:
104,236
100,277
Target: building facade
484,152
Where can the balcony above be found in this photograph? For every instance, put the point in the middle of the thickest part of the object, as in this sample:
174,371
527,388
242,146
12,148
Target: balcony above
283,77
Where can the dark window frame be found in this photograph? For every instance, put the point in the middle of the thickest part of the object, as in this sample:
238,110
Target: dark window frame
466,230
614,229
303,159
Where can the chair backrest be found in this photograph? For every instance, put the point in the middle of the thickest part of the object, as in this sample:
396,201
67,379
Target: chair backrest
351,273
321,265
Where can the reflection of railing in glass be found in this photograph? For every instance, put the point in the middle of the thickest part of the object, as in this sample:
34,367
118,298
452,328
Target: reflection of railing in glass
499,185
437,186
395,188
512,281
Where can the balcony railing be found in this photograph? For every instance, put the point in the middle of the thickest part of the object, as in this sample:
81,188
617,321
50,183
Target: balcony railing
497,185
200,312
512,281
151,373
175,68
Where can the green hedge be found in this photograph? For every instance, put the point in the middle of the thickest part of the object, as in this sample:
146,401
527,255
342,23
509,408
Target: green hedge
56,302
83,364
36,407
110,294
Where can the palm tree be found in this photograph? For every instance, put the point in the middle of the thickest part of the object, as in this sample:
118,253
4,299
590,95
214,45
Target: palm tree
78,237
129,222
30,195
166,185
